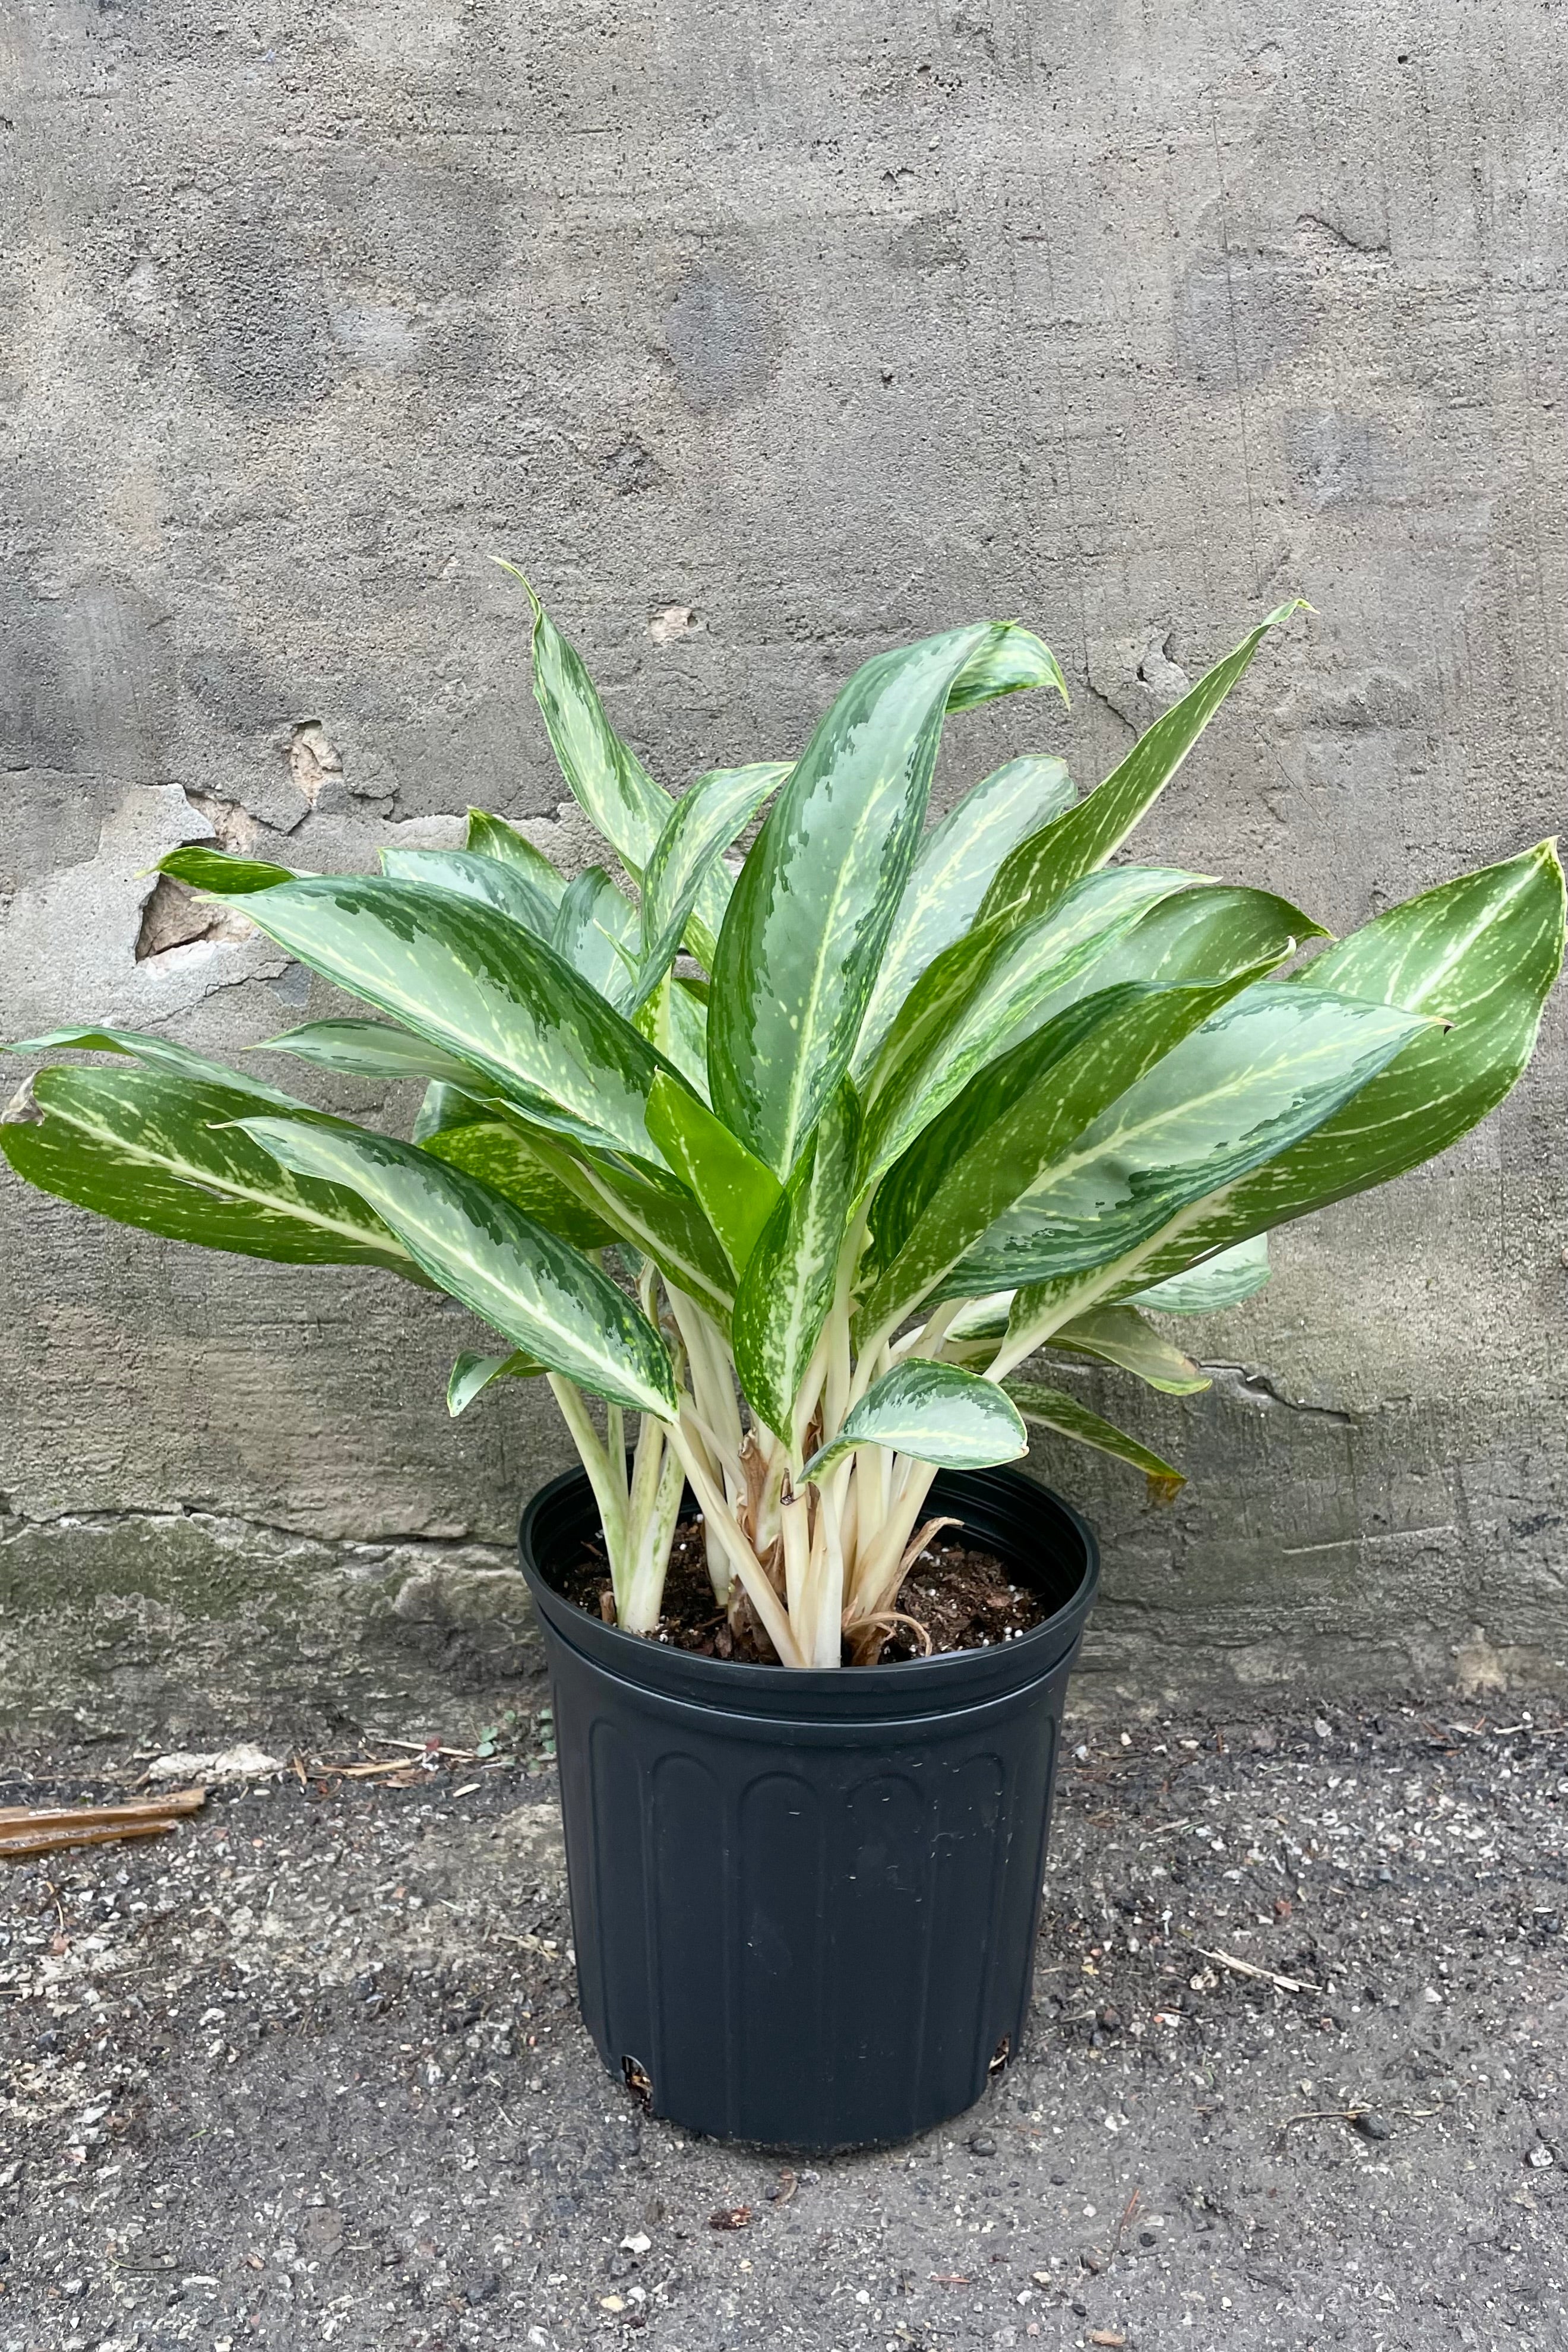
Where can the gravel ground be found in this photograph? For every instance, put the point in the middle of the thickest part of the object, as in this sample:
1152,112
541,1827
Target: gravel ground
309,2072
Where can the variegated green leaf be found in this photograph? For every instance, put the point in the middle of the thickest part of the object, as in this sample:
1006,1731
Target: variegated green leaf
462,977
811,911
737,1194
157,1053
471,1375
1054,1409
789,1284
651,1211
1206,932
957,862
501,1157
674,1020
469,874
1118,1335
1275,1063
1013,1124
369,1049
1481,954
937,1413
702,825
1035,876
214,870
535,1289
1005,664
606,779
1223,1280
988,992
596,930
156,1147
491,836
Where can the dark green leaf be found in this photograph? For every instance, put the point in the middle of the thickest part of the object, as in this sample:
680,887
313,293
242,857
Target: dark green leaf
499,1156
650,1209
1013,1124
234,877
737,1194
1481,952
1273,1065
987,993
1056,1410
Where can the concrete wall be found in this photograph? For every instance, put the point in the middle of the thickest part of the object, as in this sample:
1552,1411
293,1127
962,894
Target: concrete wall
766,336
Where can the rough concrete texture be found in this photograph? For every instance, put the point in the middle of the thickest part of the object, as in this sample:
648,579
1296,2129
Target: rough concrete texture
767,338
311,2072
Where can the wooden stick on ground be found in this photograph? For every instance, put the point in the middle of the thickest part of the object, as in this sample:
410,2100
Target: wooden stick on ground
29,1830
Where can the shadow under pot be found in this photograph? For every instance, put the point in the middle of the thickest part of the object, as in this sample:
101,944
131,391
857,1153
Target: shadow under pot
804,1903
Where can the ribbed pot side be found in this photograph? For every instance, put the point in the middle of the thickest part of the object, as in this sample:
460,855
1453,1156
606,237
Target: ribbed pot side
804,1903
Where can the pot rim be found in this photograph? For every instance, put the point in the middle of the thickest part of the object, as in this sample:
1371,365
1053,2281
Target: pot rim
904,1688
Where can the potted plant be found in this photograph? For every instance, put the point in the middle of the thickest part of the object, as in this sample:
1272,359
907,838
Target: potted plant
802,1161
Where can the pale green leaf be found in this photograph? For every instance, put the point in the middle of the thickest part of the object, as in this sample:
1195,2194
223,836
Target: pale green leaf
1008,662
369,1049
493,836
702,823
957,862
469,874
595,930
1223,1280
811,913
937,1413
157,1053
605,778
472,1374
1118,1335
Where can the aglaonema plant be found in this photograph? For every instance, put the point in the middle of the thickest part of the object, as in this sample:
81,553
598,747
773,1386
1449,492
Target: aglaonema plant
803,1161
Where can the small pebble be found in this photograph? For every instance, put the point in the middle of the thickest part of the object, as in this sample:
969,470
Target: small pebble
981,2146
1371,2125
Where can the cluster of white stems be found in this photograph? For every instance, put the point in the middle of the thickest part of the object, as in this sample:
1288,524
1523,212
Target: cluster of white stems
820,1560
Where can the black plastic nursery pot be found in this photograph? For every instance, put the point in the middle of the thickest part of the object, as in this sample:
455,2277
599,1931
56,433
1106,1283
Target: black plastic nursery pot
804,1902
